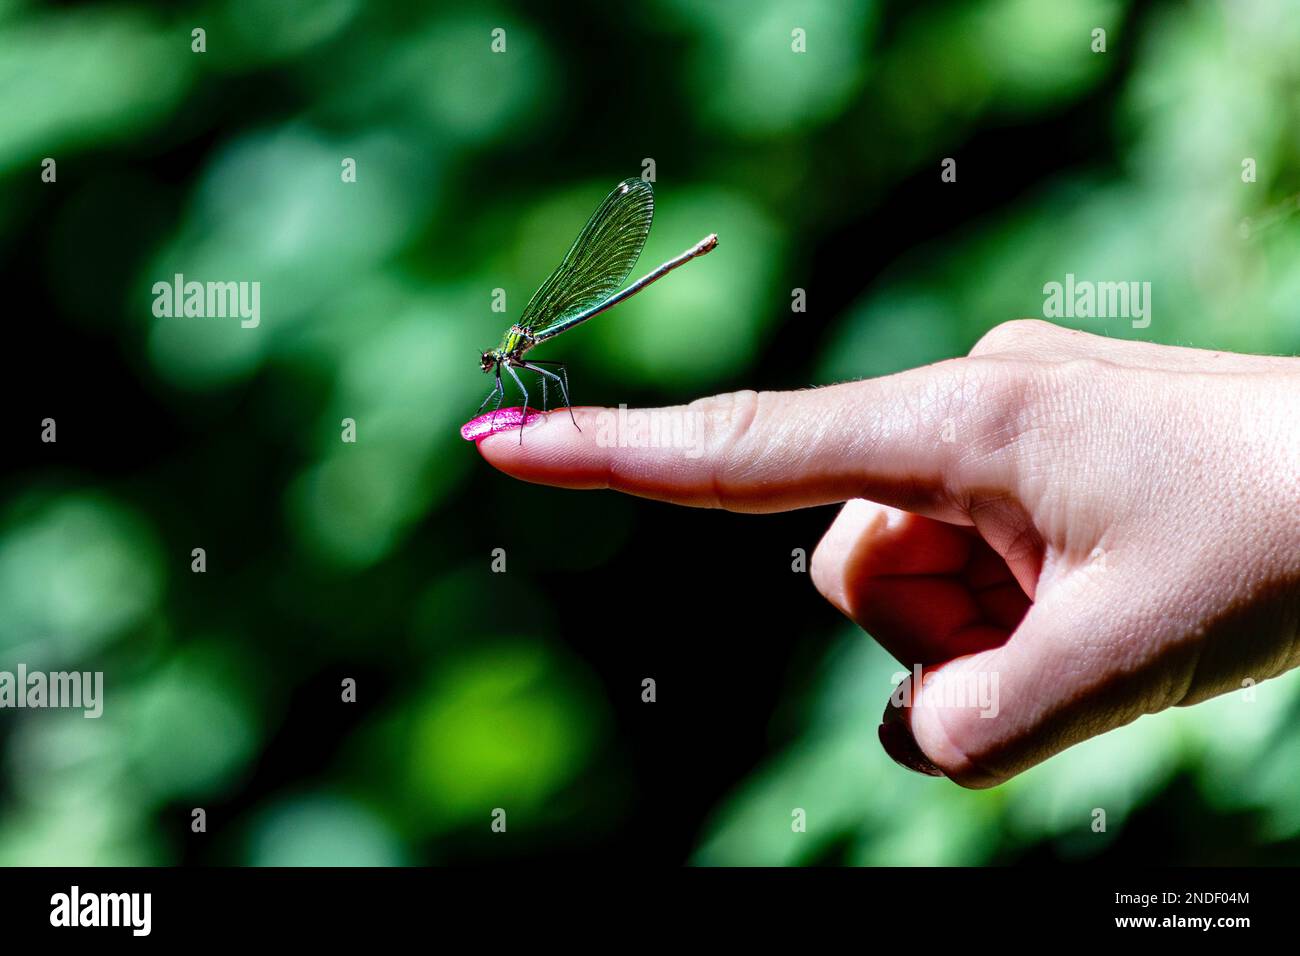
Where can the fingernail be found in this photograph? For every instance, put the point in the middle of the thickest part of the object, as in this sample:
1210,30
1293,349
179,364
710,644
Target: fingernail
501,420
896,737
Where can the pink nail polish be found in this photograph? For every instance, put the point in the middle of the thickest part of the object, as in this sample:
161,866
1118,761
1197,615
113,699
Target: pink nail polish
501,420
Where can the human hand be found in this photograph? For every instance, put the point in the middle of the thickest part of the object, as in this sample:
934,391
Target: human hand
1108,528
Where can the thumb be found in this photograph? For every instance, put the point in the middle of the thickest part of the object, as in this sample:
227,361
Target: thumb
1060,679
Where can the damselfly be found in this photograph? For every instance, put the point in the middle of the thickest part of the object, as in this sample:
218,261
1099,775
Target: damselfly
598,262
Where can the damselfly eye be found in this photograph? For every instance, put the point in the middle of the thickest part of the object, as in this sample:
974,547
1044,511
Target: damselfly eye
486,361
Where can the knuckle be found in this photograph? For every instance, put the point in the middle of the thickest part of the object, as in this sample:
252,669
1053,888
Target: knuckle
724,421
1032,413
1012,336
990,400
1057,392
824,570
991,414
726,418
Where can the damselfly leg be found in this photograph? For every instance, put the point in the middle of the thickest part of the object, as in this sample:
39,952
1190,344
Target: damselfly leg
523,418
563,382
498,390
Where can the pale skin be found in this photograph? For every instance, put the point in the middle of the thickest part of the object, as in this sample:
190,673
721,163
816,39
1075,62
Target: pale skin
1110,527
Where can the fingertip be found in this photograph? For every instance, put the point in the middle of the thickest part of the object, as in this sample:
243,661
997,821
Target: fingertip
550,448
503,419
962,723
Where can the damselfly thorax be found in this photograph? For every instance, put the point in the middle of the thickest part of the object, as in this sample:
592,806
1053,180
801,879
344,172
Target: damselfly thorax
517,341
598,262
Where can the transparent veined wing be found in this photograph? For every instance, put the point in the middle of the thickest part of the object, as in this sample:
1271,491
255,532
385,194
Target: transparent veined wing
600,259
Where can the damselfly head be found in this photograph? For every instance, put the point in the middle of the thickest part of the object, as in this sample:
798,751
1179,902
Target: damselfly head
488,360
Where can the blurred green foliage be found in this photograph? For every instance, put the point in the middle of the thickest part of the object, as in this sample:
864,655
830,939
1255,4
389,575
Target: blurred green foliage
475,171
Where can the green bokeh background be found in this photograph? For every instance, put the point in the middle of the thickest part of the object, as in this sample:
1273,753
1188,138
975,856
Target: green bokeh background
326,560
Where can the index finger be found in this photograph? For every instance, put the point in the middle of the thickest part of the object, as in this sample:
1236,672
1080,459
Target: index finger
890,439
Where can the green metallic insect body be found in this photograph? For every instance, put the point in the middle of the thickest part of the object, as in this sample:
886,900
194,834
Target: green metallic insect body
583,286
